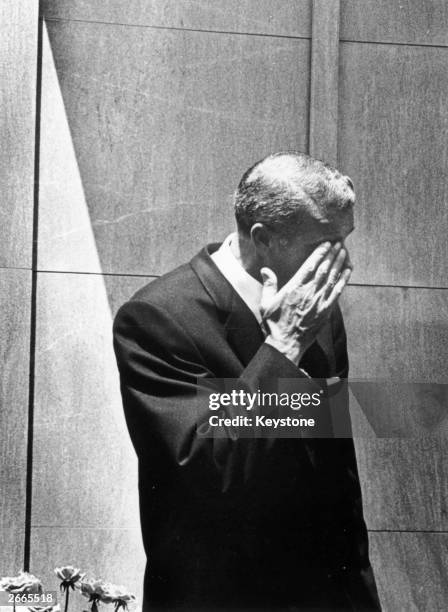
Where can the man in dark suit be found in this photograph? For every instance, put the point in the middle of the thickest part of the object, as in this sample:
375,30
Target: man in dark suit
234,522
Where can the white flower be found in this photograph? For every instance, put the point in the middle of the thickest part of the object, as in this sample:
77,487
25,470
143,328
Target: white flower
50,608
118,595
93,589
23,583
69,576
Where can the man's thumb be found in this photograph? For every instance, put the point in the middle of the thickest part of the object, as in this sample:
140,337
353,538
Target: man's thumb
269,284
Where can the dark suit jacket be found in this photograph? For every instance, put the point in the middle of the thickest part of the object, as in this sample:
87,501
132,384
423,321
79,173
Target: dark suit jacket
233,523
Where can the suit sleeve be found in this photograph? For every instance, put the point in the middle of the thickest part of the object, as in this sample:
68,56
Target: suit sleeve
161,371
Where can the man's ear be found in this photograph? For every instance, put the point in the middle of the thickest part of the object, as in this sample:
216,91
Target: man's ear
261,237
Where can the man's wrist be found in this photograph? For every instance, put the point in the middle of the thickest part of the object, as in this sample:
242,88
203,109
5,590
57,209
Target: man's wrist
291,350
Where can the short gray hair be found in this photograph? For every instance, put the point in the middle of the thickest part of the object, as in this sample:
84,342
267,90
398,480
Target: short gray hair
283,187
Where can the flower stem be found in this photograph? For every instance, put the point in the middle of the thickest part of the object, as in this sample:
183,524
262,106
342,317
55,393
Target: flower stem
66,599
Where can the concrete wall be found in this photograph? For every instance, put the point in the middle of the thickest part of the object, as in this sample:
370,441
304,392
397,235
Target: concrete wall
149,112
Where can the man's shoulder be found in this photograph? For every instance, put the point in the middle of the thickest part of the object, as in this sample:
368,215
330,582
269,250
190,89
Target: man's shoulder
169,287
176,304
178,293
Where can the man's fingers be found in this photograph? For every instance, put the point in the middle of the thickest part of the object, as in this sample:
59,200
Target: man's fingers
308,268
339,262
326,266
339,287
269,285
348,261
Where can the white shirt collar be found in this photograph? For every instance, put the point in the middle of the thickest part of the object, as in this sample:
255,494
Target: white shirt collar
247,287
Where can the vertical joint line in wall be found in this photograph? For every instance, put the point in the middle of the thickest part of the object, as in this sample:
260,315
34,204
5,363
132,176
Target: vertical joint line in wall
31,385
324,76
336,63
310,79
314,10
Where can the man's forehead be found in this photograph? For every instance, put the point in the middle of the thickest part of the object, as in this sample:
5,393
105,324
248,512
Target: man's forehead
321,227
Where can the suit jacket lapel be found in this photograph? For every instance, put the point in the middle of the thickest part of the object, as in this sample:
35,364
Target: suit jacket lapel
244,333
242,329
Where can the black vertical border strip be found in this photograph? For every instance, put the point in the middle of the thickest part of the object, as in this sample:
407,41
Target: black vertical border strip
31,385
